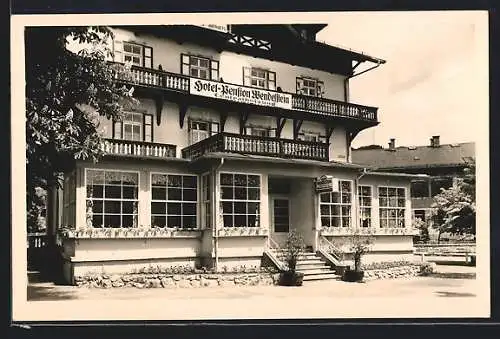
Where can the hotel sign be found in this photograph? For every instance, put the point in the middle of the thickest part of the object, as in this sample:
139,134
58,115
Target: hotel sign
326,184
247,95
220,28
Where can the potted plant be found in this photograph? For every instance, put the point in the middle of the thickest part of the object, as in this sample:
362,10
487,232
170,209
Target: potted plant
294,246
359,246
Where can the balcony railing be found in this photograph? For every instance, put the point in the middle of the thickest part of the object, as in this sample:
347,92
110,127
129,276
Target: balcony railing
245,144
138,148
333,107
181,83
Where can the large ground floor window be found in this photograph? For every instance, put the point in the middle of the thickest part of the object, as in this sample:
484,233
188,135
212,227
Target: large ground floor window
174,200
335,207
240,200
112,198
392,201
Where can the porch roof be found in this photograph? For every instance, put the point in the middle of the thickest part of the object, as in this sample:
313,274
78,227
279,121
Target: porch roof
401,175
275,160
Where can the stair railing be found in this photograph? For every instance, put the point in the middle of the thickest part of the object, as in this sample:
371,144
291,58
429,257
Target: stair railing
329,247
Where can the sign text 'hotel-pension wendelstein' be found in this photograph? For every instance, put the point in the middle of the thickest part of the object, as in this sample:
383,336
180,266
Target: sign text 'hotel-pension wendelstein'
241,94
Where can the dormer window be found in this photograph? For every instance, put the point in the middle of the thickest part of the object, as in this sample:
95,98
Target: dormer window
260,78
200,67
310,86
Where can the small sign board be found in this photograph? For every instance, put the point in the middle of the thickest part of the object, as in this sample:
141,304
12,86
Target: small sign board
326,184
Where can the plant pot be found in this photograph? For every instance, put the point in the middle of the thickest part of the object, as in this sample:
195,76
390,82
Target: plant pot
289,278
353,276
340,270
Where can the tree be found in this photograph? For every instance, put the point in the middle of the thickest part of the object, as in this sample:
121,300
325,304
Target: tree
66,92
455,207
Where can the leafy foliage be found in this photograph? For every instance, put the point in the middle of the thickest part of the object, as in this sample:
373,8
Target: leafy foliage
359,246
455,207
294,246
66,92
423,228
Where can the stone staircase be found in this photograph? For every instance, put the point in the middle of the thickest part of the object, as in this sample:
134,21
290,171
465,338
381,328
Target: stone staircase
314,268
309,263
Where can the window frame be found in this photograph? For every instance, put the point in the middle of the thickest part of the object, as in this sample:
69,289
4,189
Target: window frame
247,201
362,206
319,86
340,205
389,208
165,201
120,126
103,199
210,128
213,70
69,199
269,78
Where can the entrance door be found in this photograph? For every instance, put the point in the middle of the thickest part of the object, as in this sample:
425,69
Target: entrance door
280,216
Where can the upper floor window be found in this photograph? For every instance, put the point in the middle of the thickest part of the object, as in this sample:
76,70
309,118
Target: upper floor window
200,67
136,54
310,86
260,131
419,189
200,130
134,126
257,77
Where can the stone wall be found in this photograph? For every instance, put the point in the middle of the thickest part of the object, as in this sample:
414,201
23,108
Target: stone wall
163,280
393,272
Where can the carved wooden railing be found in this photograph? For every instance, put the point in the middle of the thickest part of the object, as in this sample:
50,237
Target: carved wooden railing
138,148
333,107
246,144
172,81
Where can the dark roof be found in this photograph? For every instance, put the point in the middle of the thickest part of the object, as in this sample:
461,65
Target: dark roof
446,155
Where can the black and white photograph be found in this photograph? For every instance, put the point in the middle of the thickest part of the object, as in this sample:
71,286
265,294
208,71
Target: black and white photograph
207,166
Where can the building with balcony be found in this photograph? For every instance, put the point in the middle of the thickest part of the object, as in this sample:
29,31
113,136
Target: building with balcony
444,165
241,135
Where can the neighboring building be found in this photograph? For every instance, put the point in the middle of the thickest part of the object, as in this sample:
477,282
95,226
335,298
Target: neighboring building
220,160
443,163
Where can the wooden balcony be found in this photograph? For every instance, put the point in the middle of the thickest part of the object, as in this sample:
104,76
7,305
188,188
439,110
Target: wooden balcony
245,144
138,149
319,107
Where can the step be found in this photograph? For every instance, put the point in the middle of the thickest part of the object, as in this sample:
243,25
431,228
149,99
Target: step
323,276
310,261
316,271
314,265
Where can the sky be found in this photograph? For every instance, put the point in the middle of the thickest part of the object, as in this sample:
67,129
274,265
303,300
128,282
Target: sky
434,81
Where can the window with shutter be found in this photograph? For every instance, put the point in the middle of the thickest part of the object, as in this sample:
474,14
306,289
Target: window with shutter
133,53
199,130
214,128
260,78
309,86
321,89
199,67
259,131
134,126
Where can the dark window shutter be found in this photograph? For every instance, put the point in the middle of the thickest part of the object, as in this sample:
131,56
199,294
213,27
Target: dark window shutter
320,87
185,64
117,130
246,76
147,60
299,85
117,50
271,80
214,70
148,127
214,128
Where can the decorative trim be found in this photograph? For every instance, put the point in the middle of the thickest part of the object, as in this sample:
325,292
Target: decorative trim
242,232
129,233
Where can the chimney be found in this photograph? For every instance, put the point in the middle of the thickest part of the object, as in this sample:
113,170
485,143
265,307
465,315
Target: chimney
435,141
392,144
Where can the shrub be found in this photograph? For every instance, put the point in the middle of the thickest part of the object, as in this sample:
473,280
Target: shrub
382,265
427,268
